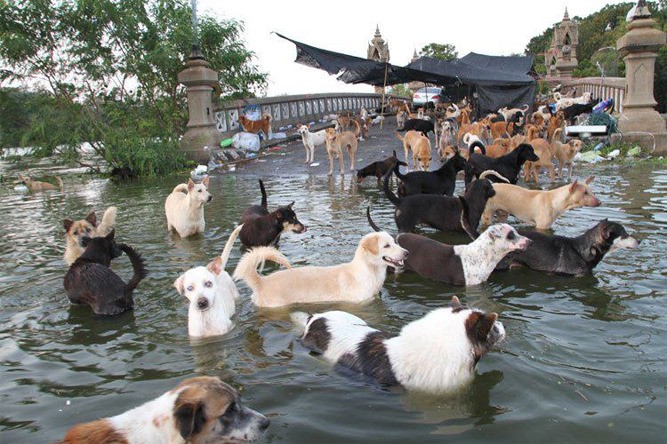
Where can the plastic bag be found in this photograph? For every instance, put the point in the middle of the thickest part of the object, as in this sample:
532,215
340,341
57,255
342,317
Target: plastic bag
246,141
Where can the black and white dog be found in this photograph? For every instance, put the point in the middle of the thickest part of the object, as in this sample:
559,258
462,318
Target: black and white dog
434,354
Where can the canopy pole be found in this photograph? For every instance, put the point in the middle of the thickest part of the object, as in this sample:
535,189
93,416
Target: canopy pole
384,89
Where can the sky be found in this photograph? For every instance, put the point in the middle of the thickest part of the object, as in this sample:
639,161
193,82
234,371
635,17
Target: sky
482,26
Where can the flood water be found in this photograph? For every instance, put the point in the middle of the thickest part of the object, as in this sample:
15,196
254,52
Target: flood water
584,359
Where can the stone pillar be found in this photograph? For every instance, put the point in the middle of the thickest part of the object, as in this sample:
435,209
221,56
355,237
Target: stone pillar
199,81
639,50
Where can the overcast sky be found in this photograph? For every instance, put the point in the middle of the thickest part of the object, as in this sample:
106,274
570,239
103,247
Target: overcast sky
482,26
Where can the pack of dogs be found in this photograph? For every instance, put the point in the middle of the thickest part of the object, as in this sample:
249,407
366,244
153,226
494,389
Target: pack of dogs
437,353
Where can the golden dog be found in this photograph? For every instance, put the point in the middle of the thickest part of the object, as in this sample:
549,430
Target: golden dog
36,185
420,146
257,126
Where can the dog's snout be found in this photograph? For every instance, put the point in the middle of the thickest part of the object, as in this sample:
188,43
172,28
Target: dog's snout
84,241
202,303
209,198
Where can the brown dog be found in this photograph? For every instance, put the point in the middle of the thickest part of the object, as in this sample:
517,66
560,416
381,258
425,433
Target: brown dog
564,152
539,207
335,143
542,149
420,146
78,233
36,185
257,126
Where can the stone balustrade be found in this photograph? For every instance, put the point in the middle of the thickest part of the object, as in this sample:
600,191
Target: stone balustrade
601,88
286,110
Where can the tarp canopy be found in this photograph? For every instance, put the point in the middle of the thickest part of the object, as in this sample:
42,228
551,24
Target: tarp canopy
499,81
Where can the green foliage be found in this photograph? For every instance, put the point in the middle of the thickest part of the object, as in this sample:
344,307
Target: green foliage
439,51
108,71
400,90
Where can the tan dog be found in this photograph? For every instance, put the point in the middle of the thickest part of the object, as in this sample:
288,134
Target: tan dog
356,281
36,185
198,410
401,118
542,149
555,122
564,152
539,207
335,143
421,149
78,233
184,208
344,122
257,126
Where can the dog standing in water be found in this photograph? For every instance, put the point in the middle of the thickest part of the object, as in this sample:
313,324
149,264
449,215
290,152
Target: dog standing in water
79,232
184,208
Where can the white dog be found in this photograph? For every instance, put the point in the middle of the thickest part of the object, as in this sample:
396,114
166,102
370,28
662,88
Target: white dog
184,208
311,140
355,281
212,294
434,354
564,102
508,113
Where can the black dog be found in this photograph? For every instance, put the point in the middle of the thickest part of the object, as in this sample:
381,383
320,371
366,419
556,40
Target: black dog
440,181
444,213
421,125
570,255
507,166
89,279
576,109
261,228
379,168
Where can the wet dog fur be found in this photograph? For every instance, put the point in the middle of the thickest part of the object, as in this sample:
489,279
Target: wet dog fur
440,181
79,232
184,208
37,185
509,165
379,168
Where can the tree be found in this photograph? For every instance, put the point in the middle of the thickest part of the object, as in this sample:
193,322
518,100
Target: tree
110,69
400,90
439,51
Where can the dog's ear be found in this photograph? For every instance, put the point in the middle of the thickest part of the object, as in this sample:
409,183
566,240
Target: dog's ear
215,266
111,235
190,418
480,324
573,186
370,244
178,284
191,185
455,303
92,218
67,224
589,179
290,205
205,181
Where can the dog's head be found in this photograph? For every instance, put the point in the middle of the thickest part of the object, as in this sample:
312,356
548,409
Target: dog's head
613,236
25,180
482,188
81,231
102,250
482,330
203,289
581,194
199,192
382,249
208,410
526,153
505,238
287,217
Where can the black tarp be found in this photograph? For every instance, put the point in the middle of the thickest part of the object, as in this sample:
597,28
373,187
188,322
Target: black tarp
497,81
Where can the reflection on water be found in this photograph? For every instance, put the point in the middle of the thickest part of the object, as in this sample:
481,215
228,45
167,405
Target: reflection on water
583,359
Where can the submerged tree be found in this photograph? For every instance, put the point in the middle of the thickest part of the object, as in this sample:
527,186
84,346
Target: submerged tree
111,69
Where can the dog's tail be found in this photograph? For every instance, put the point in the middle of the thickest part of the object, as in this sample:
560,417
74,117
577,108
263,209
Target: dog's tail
525,107
138,266
264,200
60,182
399,162
387,191
267,116
300,320
358,130
477,144
370,221
180,188
465,212
557,135
108,222
399,137
247,266
228,246
493,173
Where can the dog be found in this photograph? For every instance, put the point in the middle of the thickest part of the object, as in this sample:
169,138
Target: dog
356,281
442,212
78,233
421,125
262,125
401,119
542,149
335,143
441,181
421,149
36,185
573,256
576,109
510,113
198,410
344,122
507,166
564,102
564,152
311,140
379,168
434,354
184,208
539,207
448,129
261,228
211,293
90,281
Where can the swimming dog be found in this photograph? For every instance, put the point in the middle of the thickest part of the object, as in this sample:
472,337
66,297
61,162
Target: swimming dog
198,410
261,228
36,185
78,233
574,256
379,168
539,207
184,208
436,354
212,294
90,281
355,281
